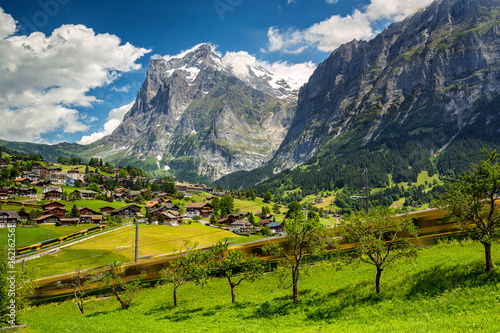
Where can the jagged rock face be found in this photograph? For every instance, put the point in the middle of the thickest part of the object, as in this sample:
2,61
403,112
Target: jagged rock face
195,107
434,66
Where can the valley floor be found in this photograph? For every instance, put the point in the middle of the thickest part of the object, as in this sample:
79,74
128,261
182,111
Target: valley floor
444,289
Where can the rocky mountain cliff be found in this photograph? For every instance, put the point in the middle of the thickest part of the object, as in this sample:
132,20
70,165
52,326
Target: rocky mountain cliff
432,78
194,116
425,72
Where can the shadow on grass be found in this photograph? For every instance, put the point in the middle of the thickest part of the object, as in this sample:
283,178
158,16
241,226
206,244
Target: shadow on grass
329,306
280,306
429,283
180,314
100,313
440,279
165,307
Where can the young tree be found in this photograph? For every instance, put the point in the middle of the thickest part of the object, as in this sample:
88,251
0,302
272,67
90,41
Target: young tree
471,201
268,197
73,212
379,237
215,206
148,194
188,267
124,292
276,208
265,231
304,237
161,219
251,219
138,199
213,219
226,205
265,211
79,288
235,266
293,208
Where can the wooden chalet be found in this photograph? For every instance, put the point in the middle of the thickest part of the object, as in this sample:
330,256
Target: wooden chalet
97,219
49,188
127,211
8,218
47,219
68,221
85,194
106,210
27,192
39,183
52,204
86,211
52,195
11,190
276,227
242,226
22,181
202,209
23,216
167,207
264,222
57,211
4,195
171,218
225,221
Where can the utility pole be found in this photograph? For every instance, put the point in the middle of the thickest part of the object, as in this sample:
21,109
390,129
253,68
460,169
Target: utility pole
136,239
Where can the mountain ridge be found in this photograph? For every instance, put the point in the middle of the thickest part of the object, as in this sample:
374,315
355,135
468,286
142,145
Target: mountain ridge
434,76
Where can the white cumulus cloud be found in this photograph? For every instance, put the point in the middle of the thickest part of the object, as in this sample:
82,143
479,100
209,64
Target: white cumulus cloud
329,34
294,74
43,79
115,118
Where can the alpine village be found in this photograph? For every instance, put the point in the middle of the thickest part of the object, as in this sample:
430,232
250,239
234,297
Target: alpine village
368,200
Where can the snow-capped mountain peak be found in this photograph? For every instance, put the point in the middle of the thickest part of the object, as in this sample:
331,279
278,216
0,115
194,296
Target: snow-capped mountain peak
279,79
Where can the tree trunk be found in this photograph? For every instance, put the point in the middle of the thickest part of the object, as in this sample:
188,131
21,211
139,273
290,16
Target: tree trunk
80,305
175,296
295,283
487,252
233,296
124,305
377,280
79,302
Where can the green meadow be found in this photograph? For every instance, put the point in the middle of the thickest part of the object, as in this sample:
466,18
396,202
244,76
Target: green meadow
118,245
31,235
444,289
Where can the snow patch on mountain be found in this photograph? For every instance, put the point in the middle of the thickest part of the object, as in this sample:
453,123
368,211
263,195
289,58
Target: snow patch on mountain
279,79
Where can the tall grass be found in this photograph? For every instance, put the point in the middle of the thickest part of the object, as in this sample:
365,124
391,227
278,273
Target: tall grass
444,289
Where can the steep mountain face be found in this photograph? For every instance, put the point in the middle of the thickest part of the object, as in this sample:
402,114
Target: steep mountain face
193,113
423,95
432,72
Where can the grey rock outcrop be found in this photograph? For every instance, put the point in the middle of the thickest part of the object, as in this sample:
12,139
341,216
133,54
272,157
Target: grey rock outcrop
192,112
435,65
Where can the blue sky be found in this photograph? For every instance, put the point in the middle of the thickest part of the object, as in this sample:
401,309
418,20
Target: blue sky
69,68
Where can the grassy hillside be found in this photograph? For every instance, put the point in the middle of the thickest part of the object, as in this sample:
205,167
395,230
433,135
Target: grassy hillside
443,290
